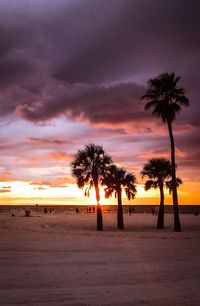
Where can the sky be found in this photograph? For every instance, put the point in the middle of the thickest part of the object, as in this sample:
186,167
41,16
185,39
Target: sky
72,72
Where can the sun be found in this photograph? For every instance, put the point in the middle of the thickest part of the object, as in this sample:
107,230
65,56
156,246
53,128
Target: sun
92,197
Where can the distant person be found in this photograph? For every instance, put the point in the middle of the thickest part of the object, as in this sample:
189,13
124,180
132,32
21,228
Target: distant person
27,213
45,210
93,209
90,209
153,211
77,210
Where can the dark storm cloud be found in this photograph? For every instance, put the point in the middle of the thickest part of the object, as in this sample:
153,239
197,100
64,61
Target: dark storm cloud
142,36
21,51
21,46
113,104
189,143
94,42
13,61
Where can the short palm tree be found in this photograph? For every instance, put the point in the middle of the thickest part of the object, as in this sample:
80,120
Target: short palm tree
169,184
117,179
89,167
157,170
165,99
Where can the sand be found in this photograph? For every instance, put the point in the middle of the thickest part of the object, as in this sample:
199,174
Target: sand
60,259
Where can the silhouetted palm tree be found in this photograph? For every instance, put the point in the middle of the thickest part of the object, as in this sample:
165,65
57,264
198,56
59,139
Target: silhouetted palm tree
117,179
157,170
89,167
169,184
166,99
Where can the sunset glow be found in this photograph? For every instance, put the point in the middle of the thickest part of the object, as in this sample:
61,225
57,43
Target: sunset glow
19,192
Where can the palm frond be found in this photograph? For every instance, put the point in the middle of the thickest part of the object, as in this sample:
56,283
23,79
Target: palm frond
118,178
157,170
150,184
169,184
164,98
89,166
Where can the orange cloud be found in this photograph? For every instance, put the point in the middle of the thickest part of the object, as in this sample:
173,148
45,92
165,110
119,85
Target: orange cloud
60,156
162,152
39,183
57,182
133,169
5,189
47,142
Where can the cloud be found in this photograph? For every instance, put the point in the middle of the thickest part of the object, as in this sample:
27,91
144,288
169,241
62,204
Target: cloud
87,62
14,63
97,104
40,188
55,64
57,182
128,38
39,183
73,38
5,189
162,152
60,156
47,142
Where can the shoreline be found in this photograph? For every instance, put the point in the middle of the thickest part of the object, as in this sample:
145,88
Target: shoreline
183,209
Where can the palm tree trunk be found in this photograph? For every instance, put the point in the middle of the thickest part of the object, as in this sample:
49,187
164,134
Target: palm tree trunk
160,222
120,219
99,212
177,224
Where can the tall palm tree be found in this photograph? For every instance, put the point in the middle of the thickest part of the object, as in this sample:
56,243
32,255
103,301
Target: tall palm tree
157,170
89,167
165,99
117,179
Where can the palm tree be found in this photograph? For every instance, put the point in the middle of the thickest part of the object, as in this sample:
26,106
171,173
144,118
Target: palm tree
157,170
169,184
117,179
89,167
165,99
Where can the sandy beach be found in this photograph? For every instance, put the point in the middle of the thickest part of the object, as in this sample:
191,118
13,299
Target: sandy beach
60,259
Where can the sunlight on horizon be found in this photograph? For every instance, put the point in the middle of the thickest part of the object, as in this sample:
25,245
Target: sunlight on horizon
21,192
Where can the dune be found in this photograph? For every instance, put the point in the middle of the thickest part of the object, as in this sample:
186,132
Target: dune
60,259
